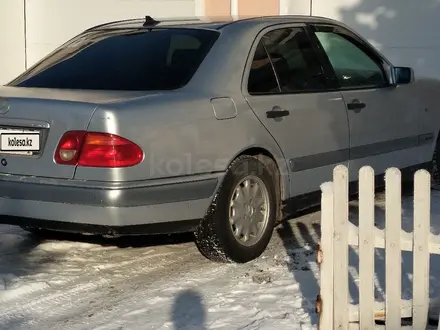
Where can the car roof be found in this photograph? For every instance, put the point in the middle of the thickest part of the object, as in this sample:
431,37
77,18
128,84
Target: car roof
210,22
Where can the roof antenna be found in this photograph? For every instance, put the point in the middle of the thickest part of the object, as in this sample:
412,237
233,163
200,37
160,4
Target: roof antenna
150,21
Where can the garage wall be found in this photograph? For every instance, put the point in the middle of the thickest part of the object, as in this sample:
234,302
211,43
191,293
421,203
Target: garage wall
295,7
12,41
49,23
404,30
52,22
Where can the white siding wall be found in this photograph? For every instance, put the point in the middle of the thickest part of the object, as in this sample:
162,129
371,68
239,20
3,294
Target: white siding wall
295,7
52,22
12,44
49,23
406,31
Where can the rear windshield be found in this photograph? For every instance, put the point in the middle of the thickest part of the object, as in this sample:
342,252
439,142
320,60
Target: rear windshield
158,59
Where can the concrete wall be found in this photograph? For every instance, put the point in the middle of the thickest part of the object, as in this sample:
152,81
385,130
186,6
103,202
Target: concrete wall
403,30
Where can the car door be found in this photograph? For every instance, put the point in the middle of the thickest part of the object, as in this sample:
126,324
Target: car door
285,86
383,118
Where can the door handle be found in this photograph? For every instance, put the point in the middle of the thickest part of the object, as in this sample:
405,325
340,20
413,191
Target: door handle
356,105
277,112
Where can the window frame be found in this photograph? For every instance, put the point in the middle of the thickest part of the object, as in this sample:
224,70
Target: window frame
360,43
251,54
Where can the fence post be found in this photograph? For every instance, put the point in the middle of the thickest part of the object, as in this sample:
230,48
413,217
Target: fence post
393,227
421,232
325,259
340,246
366,248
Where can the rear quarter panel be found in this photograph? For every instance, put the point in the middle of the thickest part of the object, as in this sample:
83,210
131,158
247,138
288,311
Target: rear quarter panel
179,135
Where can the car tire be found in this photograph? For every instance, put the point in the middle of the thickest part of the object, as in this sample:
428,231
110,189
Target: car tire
239,223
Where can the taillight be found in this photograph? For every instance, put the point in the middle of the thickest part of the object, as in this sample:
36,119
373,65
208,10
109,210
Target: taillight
95,149
69,147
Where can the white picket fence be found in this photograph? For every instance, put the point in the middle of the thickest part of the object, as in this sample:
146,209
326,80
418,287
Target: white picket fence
338,233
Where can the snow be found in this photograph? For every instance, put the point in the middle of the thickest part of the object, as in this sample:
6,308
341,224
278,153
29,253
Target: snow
162,282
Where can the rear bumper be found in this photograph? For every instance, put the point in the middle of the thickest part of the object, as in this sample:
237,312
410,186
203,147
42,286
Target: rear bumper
155,206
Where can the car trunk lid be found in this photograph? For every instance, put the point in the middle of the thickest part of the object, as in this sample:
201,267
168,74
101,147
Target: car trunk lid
32,121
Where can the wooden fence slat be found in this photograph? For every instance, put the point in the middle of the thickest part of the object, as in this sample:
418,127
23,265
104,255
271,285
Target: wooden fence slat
393,225
379,311
366,248
340,247
420,281
406,240
337,234
325,257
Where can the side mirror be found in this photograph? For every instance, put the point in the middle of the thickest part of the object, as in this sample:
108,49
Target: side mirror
402,75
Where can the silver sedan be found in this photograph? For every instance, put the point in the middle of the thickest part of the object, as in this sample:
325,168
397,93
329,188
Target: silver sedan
221,128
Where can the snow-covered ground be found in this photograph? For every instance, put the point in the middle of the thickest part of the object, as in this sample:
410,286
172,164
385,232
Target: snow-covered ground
75,282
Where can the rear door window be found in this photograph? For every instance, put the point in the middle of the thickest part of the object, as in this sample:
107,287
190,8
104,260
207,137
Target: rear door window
295,61
285,61
262,79
160,59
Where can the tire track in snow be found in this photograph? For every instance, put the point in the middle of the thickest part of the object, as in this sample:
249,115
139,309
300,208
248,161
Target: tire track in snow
57,300
192,269
113,309
71,280
70,301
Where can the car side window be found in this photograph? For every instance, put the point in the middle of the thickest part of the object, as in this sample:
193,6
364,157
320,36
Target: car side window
295,61
262,78
354,68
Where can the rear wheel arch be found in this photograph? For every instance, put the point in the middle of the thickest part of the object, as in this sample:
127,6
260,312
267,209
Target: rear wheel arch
281,182
276,165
